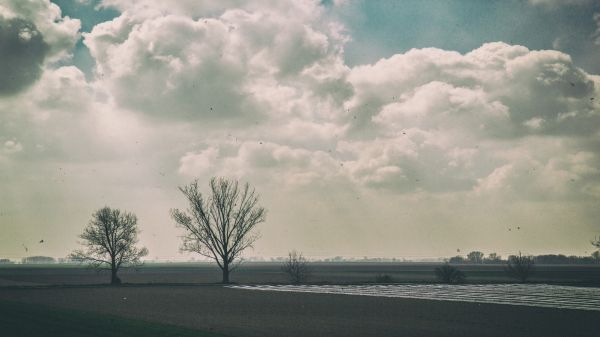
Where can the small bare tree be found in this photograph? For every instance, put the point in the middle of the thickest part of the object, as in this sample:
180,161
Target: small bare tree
475,257
596,254
220,226
296,267
110,238
449,274
520,267
596,242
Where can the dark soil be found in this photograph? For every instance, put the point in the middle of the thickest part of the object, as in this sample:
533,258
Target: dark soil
243,313
333,273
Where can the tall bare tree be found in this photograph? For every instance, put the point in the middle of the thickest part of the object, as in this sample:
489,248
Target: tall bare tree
220,226
110,239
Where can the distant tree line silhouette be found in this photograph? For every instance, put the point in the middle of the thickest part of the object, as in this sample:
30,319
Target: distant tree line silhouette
38,260
493,258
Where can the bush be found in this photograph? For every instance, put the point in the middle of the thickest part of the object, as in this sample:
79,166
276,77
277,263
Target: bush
520,267
296,267
457,259
383,278
449,274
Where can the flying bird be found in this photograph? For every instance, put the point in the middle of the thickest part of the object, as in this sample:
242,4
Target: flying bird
26,249
42,241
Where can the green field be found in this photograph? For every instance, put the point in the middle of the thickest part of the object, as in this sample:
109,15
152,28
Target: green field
31,320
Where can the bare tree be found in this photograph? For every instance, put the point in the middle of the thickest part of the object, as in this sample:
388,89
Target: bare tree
110,238
297,268
520,267
475,257
493,258
220,226
596,254
449,274
596,242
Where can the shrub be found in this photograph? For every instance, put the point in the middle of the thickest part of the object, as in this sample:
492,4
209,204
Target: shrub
383,278
457,259
296,267
520,267
449,274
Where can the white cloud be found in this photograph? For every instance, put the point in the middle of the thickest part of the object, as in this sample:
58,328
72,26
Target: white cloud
559,3
234,65
12,146
263,162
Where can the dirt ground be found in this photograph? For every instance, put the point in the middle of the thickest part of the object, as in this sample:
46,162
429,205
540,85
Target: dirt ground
333,273
246,313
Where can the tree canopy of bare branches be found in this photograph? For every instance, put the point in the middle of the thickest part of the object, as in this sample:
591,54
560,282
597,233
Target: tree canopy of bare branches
297,268
110,239
221,225
520,267
449,274
596,242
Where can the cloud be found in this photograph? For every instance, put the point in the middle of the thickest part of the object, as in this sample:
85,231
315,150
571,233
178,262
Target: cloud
263,162
60,33
23,53
436,120
12,146
541,174
176,64
559,3
497,73
427,120
32,33
596,34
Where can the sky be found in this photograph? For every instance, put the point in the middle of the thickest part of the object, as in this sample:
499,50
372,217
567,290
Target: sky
408,129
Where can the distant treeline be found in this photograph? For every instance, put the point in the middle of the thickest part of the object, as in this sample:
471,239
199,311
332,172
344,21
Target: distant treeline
476,258
38,260
471,258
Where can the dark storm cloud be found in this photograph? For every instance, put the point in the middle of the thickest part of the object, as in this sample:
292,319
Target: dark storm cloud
22,54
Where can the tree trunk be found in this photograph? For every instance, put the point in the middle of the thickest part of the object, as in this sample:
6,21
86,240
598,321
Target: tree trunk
114,279
225,273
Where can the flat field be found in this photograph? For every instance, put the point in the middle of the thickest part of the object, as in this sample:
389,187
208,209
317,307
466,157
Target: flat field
185,296
34,320
269,273
248,313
